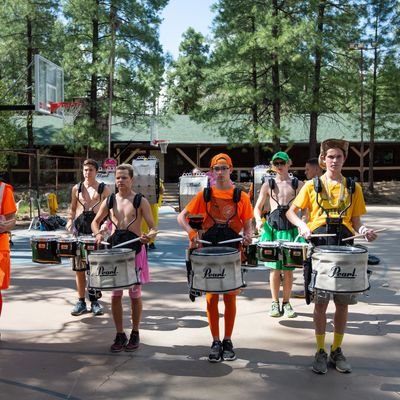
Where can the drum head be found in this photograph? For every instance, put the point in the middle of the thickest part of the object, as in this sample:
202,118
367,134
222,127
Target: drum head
340,249
86,239
213,251
48,238
111,252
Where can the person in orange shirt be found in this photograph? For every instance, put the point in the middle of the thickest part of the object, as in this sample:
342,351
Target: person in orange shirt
223,219
8,210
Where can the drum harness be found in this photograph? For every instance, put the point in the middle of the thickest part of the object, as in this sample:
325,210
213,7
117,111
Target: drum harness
333,224
221,231
277,218
124,235
218,232
83,222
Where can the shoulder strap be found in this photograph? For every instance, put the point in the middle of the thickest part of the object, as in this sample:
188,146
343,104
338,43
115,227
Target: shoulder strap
80,187
295,183
271,183
137,200
351,185
2,187
101,187
207,194
110,201
317,184
237,194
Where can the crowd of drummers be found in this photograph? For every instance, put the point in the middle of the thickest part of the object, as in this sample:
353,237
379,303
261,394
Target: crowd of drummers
282,224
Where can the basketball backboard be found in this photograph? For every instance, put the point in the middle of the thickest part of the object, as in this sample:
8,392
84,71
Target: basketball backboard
49,85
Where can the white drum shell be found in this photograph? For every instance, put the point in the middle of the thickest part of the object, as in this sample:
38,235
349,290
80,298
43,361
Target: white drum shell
189,186
339,269
112,269
216,270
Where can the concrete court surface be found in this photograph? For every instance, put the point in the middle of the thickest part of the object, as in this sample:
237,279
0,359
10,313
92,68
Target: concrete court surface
47,354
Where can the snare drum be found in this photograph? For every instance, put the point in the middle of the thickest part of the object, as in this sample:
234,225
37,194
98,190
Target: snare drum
216,270
269,251
339,269
294,254
112,269
67,246
250,255
44,250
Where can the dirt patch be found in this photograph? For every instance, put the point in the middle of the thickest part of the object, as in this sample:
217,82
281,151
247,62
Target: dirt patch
385,193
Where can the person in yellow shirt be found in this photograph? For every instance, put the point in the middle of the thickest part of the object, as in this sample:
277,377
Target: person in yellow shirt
333,210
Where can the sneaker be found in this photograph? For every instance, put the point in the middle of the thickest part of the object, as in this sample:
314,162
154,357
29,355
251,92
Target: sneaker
96,308
288,311
216,352
134,341
79,308
338,359
320,364
275,311
119,343
227,350
152,246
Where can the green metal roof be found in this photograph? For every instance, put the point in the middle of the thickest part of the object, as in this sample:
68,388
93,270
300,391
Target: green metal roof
180,129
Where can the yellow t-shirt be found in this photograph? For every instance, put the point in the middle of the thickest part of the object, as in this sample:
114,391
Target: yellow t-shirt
306,199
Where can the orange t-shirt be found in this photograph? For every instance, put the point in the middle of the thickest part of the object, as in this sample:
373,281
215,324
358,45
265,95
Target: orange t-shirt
7,206
197,206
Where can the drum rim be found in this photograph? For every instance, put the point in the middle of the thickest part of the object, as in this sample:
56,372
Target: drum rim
199,252
118,251
273,244
332,249
44,238
293,245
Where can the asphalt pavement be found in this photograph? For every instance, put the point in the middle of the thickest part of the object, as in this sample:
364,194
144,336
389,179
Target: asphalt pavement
45,353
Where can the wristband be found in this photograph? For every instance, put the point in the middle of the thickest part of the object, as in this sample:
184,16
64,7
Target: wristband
363,230
192,234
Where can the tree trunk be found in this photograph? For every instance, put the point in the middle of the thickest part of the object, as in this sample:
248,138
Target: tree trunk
315,106
94,76
29,83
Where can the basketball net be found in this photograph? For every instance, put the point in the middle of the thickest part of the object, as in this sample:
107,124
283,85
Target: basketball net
69,110
163,144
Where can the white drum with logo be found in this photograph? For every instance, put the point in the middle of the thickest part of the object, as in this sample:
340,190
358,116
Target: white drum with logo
216,270
189,186
112,269
339,269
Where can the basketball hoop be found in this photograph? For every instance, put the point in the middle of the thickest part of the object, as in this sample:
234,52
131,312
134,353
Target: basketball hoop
69,110
163,144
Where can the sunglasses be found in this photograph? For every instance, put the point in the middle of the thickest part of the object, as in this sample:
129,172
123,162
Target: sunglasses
217,169
279,163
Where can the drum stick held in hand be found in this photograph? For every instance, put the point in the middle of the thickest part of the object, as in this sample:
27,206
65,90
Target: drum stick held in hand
323,234
231,240
203,241
128,242
361,235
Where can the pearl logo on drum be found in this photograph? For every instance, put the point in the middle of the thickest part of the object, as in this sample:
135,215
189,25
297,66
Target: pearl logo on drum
101,271
336,272
208,274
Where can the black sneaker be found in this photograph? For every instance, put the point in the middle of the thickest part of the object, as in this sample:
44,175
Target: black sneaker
216,352
134,341
119,343
227,353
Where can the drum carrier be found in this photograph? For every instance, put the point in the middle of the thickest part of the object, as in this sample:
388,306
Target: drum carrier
333,225
277,218
83,222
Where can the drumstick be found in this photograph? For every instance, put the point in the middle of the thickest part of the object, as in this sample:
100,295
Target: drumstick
231,240
105,243
323,234
360,234
203,241
128,242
